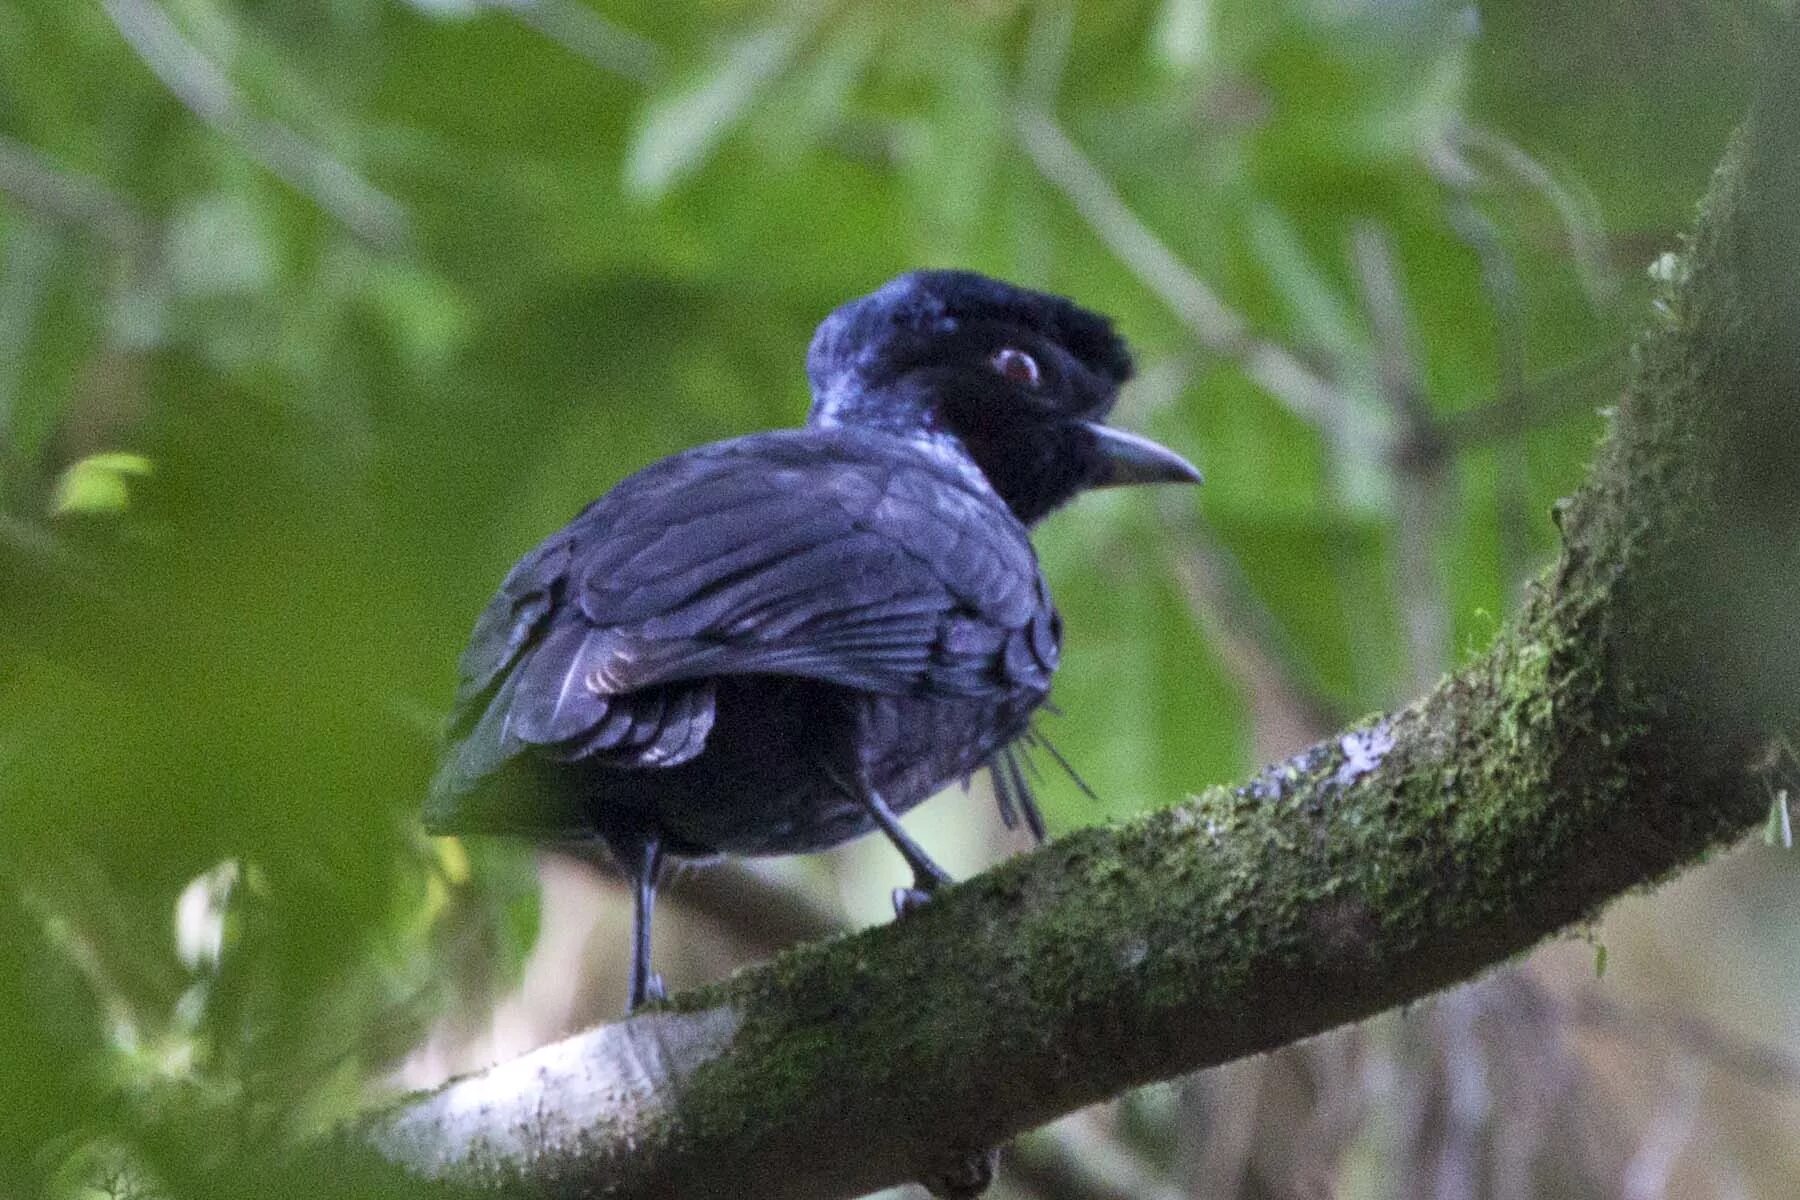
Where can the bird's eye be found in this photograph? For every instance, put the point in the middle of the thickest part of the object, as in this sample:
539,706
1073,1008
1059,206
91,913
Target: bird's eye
1016,365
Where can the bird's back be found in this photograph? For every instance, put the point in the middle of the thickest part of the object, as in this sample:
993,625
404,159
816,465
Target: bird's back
713,649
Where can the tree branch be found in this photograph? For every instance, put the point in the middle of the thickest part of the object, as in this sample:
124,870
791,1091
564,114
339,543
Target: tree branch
1609,737
29,176
1214,324
209,94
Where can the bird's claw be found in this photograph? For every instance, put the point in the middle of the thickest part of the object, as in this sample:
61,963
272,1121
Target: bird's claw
910,900
928,877
654,991
966,1178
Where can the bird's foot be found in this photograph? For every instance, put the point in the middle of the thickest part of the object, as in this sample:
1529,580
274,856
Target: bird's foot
910,899
965,1178
928,877
653,993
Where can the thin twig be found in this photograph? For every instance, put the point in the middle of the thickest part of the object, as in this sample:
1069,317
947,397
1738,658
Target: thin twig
1501,282
1544,400
40,556
1046,53
1221,1119
1587,236
1214,324
1650,1170
1464,1097
588,35
67,198
210,95
1077,1158
764,912
1420,464
1766,1066
1289,707
28,262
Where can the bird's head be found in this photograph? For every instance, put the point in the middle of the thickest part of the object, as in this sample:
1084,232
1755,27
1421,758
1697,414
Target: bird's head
1020,381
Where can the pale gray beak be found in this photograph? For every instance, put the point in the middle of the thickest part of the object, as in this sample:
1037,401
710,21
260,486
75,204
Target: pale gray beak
1125,458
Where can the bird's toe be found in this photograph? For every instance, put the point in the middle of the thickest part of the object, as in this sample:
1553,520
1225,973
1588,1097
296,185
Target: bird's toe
910,900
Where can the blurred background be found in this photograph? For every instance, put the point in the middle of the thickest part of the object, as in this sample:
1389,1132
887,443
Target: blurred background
314,316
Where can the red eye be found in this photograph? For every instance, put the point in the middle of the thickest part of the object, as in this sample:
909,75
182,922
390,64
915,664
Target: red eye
1017,366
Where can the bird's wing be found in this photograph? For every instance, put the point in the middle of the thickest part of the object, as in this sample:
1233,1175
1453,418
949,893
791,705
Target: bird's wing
874,575
758,557
512,623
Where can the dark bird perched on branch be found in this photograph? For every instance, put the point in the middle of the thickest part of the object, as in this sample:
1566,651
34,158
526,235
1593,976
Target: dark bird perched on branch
773,644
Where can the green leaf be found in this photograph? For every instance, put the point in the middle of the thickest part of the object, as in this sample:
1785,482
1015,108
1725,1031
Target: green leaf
219,246
97,483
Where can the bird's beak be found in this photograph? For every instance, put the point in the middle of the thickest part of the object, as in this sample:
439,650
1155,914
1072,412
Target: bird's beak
1125,458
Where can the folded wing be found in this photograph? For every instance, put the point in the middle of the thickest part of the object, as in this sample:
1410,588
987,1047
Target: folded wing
793,553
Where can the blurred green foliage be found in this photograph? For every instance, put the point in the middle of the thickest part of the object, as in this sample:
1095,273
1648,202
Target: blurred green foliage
314,316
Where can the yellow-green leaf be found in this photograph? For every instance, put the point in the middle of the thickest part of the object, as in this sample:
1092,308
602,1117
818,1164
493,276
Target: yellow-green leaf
97,483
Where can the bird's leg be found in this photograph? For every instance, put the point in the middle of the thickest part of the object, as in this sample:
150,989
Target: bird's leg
927,875
969,1174
645,985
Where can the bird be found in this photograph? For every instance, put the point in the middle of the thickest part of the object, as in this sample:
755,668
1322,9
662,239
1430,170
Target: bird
778,642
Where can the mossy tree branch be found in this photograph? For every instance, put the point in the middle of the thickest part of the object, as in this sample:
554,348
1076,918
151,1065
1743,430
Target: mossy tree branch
1619,729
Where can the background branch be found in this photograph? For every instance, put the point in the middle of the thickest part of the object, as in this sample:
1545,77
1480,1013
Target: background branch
585,33
1213,323
40,187
210,95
